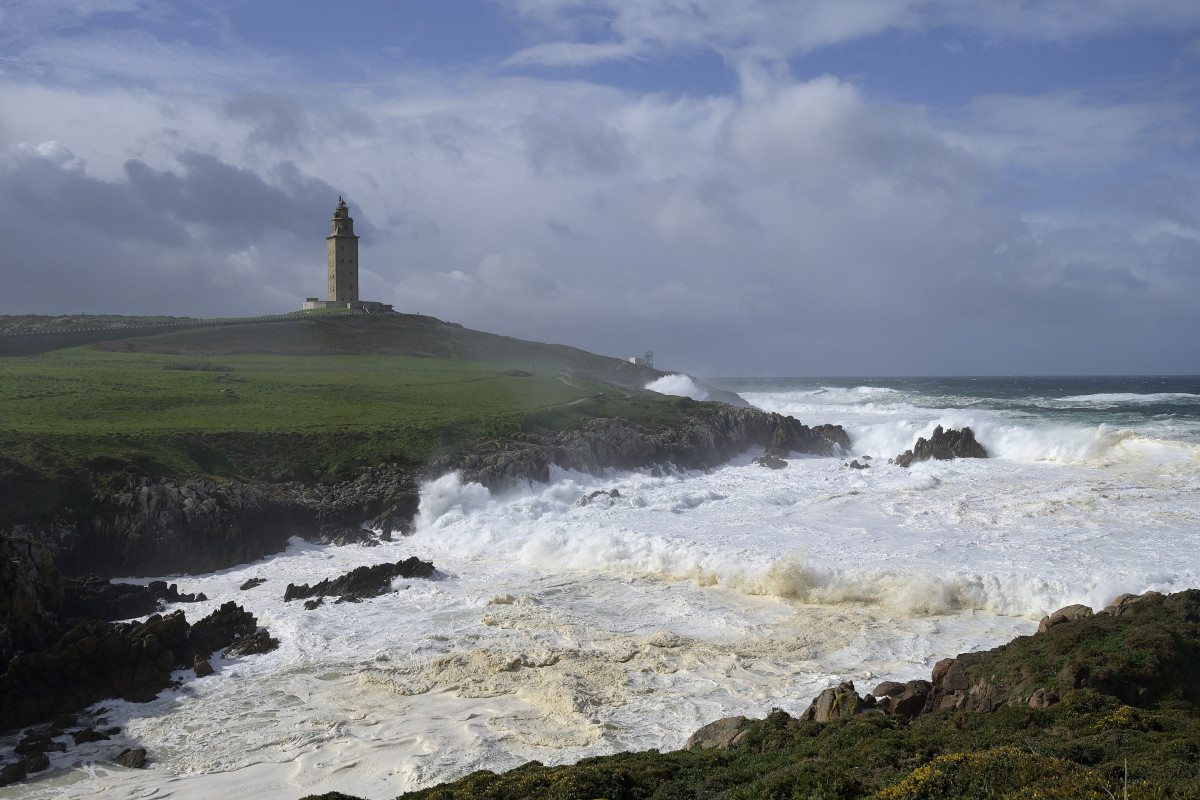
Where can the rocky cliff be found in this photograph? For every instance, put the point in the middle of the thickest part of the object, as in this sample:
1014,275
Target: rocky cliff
156,527
708,435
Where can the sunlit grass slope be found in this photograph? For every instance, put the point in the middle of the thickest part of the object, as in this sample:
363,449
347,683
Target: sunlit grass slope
312,398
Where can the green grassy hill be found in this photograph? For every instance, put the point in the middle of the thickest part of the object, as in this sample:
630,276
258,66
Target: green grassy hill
307,398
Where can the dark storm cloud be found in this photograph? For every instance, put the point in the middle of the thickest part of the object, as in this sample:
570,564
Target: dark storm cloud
49,183
235,203
213,239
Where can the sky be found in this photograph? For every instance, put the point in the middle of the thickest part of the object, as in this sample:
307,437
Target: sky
746,187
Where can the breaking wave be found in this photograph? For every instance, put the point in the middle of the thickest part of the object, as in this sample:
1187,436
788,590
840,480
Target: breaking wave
678,384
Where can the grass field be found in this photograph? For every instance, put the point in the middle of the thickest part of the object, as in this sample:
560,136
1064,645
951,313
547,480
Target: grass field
316,398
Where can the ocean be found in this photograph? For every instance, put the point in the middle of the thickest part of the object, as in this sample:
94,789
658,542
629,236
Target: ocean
556,630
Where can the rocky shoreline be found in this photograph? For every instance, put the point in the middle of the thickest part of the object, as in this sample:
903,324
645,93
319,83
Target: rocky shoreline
160,527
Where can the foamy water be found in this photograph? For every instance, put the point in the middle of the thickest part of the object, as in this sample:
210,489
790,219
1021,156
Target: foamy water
554,631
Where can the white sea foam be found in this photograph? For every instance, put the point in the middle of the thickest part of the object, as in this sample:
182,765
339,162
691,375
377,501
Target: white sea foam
678,384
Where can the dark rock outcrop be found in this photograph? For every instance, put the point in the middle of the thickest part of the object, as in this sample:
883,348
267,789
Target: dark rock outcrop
134,758
770,462
706,435
158,526
96,660
943,444
94,597
583,501
255,643
361,583
32,594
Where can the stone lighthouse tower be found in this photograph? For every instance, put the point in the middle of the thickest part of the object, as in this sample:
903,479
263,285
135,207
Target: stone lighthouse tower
343,256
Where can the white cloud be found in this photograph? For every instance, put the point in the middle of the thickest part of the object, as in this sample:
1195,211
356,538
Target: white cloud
1068,132
777,29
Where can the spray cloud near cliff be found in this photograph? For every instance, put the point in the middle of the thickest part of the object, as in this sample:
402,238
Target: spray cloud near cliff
678,384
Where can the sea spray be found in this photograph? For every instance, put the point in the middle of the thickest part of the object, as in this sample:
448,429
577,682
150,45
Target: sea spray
678,384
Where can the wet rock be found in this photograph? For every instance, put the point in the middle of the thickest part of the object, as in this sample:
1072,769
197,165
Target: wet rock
95,597
90,735
258,642
583,501
253,582
856,465
943,444
202,667
771,462
219,630
718,735
96,659
13,772
35,743
310,605
133,758
362,583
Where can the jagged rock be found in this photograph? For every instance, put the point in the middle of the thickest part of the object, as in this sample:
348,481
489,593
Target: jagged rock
155,526
94,597
943,444
310,605
362,583
96,659
219,629
134,759
1065,614
718,735
202,667
34,743
253,582
32,594
856,465
583,501
37,762
771,462
834,703
258,642
90,735
709,434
